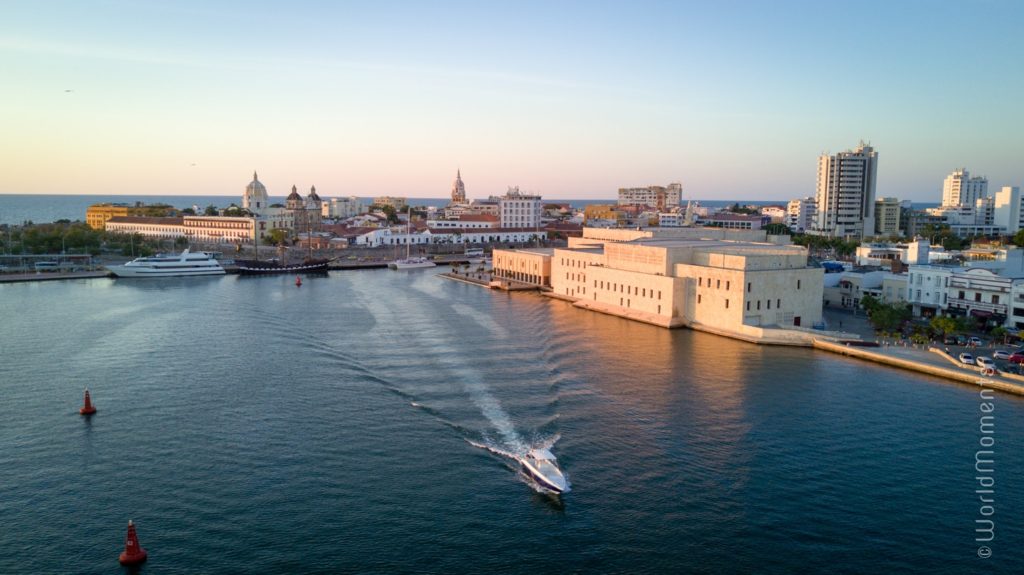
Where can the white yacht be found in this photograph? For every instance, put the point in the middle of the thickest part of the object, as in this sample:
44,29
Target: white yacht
541,466
409,262
162,266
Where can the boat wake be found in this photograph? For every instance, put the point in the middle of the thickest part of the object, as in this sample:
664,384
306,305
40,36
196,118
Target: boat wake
512,456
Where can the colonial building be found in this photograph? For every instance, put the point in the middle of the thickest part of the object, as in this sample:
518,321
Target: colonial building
201,229
519,210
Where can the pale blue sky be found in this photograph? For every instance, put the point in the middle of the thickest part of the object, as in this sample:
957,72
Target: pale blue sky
568,99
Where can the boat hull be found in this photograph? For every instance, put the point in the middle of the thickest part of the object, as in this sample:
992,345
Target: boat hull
541,479
269,268
401,265
126,272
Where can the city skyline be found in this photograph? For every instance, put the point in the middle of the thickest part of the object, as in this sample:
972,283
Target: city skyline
568,101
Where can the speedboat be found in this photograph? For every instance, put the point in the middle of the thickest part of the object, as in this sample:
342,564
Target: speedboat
160,266
541,466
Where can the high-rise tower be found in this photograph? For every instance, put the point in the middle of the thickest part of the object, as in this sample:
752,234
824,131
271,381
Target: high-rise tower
846,193
960,189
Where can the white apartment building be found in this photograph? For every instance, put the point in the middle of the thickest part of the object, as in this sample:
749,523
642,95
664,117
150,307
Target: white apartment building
671,219
778,214
519,210
801,214
927,288
846,193
959,188
662,197
340,208
1008,211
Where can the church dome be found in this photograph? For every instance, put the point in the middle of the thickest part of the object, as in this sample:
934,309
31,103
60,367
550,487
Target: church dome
313,197
255,186
294,195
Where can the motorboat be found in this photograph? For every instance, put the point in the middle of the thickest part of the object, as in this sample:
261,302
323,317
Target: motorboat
186,263
541,465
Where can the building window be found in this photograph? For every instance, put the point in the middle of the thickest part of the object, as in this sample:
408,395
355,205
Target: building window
748,286
726,304
758,305
698,298
718,284
995,299
748,305
977,297
778,303
769,304
797,284
726,286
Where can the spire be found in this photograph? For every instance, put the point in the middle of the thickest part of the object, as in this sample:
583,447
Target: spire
254,178
312,189
294,189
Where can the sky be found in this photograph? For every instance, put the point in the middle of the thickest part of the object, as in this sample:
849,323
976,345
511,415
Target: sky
736,100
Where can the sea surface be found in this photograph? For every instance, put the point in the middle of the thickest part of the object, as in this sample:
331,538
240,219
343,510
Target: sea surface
363,422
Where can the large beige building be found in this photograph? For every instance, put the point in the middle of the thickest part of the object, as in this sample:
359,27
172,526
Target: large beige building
752,290
887,217
212,229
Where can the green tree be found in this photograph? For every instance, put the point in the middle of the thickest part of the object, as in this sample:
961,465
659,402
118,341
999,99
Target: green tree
890,317
999,334
870,303
1018,238
277,237
188,211
211,210
943,325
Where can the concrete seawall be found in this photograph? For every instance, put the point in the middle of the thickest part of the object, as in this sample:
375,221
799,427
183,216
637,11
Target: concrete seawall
999,382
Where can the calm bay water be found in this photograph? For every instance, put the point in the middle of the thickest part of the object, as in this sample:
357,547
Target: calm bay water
355,424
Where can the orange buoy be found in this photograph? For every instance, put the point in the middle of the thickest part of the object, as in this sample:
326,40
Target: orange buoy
132,553
88,408
298,281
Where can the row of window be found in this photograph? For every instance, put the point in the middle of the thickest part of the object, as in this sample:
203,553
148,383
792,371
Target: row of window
718,283
622,288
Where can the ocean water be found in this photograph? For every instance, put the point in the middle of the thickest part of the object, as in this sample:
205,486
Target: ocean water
356,425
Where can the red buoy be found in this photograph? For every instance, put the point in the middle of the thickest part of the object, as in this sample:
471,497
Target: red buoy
298,281
132,553
88,408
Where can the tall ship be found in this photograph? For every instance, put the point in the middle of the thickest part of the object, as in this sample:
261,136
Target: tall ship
187,263
266,267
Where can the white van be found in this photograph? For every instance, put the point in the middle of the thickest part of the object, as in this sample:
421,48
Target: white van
46,266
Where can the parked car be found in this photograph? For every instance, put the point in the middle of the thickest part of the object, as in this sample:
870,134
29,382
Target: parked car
1001,354
975,340
950,340
985,362
967,359
1016,358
